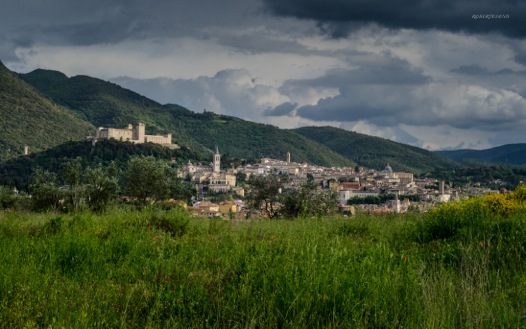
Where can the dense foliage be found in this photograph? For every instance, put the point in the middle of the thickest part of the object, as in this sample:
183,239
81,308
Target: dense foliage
19,172
495,177
382,198
461,265
264,194
376,152
28,118
147,178
77,188
308,201
511,154
267,197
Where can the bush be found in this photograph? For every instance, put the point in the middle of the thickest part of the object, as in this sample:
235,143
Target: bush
174,222
448,220
7,198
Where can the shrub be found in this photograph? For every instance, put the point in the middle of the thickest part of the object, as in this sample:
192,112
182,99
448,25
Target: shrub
7,198
448,220
173,222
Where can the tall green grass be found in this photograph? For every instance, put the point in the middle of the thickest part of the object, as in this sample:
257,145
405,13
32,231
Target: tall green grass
158,268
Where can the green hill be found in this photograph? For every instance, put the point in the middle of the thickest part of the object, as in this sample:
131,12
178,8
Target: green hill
18,172
244,139
29,118
376,152
511,154
107,104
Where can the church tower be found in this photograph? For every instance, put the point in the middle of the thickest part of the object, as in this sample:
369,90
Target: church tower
217,161
288,157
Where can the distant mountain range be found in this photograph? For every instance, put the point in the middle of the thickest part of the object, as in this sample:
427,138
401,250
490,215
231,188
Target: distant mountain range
44,109
375,152
511,154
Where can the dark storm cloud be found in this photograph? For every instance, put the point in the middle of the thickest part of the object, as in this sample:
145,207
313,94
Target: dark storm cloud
339,17
472,69
77,22
341,109
475,69
282,109
460,106
387,97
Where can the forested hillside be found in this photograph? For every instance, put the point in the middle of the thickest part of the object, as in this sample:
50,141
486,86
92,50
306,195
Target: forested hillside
511,154
18,172
376,152
107,104
29,118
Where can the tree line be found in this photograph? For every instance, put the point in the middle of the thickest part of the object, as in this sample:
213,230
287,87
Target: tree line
382,198
145,179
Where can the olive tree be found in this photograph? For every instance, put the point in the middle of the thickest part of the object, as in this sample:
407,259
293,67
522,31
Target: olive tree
265,193
147,178
45,193
101,187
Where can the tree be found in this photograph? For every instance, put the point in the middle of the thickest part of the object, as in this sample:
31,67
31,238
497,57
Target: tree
7,198
102,187
45,194
264,193
149,178
73,179
308,200
241,177
182,190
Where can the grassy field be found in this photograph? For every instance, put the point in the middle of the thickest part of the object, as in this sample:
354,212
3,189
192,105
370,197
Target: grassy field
461,266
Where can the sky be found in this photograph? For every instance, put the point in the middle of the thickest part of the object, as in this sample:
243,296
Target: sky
438,74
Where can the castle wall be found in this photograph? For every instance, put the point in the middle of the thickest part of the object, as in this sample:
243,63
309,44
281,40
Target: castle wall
158,139
119,134
133,134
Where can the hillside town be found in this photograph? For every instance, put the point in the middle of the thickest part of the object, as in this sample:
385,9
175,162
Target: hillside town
221,192
403,192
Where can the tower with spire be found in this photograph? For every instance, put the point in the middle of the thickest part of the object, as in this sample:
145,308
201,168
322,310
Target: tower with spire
217,161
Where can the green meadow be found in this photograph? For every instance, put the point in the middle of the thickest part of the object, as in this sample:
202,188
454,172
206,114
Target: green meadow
460,266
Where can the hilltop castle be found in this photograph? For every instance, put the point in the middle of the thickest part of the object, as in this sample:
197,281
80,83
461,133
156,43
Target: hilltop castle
135,135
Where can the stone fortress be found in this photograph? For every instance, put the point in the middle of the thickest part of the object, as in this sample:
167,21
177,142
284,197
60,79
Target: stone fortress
135,135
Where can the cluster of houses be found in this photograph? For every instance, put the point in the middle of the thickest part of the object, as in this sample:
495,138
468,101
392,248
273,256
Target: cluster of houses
349,183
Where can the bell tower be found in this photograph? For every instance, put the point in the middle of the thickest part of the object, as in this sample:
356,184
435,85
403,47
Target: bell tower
217,161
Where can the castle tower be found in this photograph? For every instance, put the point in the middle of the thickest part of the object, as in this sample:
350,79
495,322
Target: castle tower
288,157
141,132
217,161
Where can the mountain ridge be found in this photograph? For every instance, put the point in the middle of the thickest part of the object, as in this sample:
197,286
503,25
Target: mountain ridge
29,118
102,103
107,104
376,152
508,154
